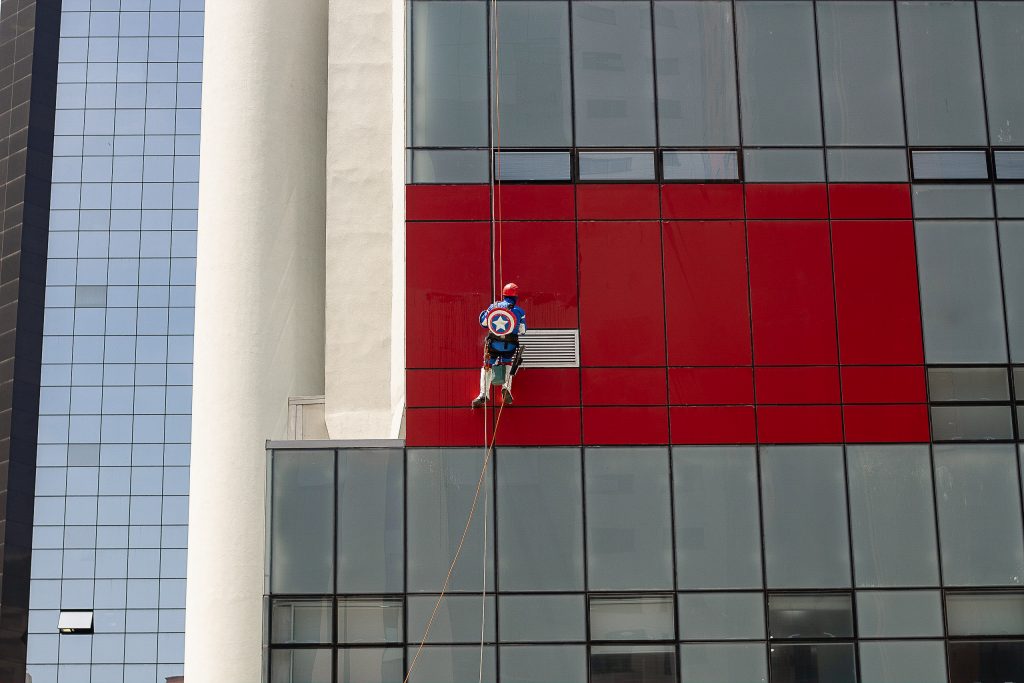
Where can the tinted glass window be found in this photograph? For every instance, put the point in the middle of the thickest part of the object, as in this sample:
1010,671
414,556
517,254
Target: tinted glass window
457,619
369,620
900,662
1002,46
783,165
542,617
810,616
723,663
968,384
866,165
898,614
1009,165
813,663
972,423
951,165
302,523
631,663
985,614
300,666
632,618
693,165
448,166
533,663
616,165
370,527
301,621
952,201
721,616
533,166
1011,245
995,661
454,663
370,665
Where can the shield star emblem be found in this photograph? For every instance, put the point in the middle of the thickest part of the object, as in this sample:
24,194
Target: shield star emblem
501,322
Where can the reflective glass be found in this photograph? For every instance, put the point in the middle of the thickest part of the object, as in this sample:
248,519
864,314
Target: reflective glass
448,165
1002,51
534,166
972,423
630,663
783,165
1011,247
538,663
648,617
370,665
302,522
457,619
720,616
899,614
808,615
950,165
370,527
968,384
985,614
452,664
369,620
992,660
300,666
866,165
301,621
723,663
813,662
900,662
1009,165
617,166
696,165
542,617
952,201
1010,200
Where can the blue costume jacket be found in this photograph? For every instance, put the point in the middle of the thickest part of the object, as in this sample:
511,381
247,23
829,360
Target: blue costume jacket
502,349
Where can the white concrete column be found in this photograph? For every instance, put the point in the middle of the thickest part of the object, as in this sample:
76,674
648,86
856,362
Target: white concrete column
365,363
259,305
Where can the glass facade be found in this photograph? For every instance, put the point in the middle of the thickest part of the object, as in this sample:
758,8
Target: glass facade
115,407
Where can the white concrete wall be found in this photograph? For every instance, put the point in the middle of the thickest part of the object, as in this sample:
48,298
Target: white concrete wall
259,304
365,362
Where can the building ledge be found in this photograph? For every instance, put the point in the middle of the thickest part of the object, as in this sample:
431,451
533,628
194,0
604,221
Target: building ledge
314,444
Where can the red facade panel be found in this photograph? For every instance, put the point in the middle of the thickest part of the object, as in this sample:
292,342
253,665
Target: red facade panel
427,427
622,321
886,424
708,425
624,386
799,424
786,201
441,388
797,385
865,200
447,203
884,384
522,426
702,201
623,426
706,293
618,202
541,258
791,293
710,386
536,202
877,292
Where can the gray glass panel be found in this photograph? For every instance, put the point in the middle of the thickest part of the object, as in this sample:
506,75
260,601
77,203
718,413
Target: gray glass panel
631,663
985,614
866,165
301,621
953,201
950,165
723,663
696,73
899,614
860,75
370,521
961,295
1018,383
534,166
979,515
709,165
543,664
449,165
448,79
542,617
778,73
1009,165
613,73
941,73
647,617
370,665
891,516
783,165
369,620
616,165
1010,200
812,662
902,662
805,530
721,616
300,666
457,619
1011,246
968,384
302,522
1003,55
540,519
451,664
629,519
535,88
972,423
439,490
992,660
810,616
718,533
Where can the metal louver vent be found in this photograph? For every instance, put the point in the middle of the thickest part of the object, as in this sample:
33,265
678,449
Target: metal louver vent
551,348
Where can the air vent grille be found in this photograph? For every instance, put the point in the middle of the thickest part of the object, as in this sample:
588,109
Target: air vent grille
551,348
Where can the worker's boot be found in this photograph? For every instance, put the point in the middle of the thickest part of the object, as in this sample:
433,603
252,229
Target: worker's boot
485,383
506,389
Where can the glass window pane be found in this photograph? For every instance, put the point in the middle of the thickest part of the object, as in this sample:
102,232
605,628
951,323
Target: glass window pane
534,166
899,614
805,529
709,165
369,620
300,666
972,423
950,165
540,519
696,73
1010,199
961,298
451,664
968,384
302,523
813,662
810,616
632,618
1011,245
979,515
985,614
632,663
616,165
301,621
457,619
901,662
448,165
778,72
542,617
718,533
1002,49
440,486
535,96
370,536
860,74
613,73
866,165
721,616
941,73
993,660
723,663
448,84
1009,165
891,516
370,665
953,201
543,664
783,165
629,519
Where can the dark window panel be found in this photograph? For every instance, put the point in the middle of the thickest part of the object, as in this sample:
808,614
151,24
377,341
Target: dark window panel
990,661
968,384
810,616
631,663
813,663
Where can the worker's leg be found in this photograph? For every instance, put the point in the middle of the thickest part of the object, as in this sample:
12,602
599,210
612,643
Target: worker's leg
506,387
485,384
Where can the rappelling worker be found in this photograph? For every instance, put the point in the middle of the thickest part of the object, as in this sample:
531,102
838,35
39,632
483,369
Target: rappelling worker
504,322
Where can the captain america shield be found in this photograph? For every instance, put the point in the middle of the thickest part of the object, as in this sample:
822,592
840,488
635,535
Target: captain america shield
501,322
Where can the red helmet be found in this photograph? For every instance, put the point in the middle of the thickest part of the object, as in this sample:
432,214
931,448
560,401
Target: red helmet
511,289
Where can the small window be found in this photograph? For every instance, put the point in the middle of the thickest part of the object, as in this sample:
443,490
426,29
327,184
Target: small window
784,165
75,622
630,663
972,423
804,662
985,614
866,165
701,165
300,621
950,165
369,620
627,617
810,616
899,614
1010,165
90,296
448,166
990,660
598,166
533,166
968,384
